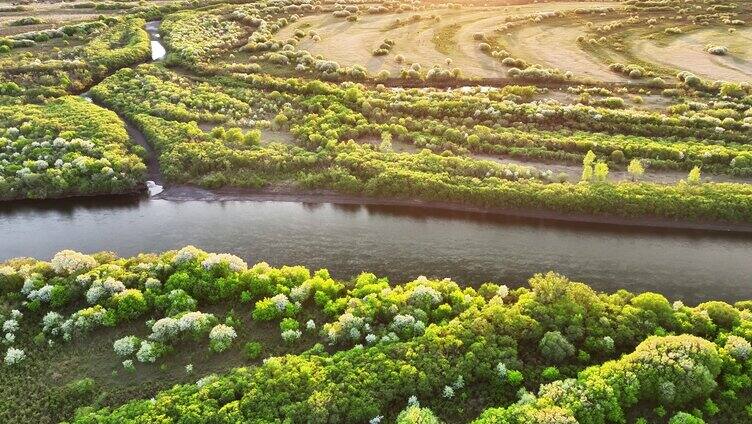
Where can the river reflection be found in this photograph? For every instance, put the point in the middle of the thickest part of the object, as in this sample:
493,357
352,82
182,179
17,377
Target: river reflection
399,242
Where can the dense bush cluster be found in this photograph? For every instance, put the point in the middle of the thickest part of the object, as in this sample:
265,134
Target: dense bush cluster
65,147
86,53
553,349
324,118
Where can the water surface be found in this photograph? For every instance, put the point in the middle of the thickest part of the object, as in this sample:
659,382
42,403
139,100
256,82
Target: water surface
398,242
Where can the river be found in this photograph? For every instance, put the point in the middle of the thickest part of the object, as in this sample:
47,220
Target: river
398,242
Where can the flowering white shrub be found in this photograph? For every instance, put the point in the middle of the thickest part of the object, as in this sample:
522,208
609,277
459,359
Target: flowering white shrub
148,352
14,356
189,369
165,329
126,346
51,322
196,322
152,284
501,370
290,336
232,261
16,314
221,337
371,338
42,294
10,326
402,322
102,289
188,253
458,383
71,262
738,347
425,294
87,319
347,325
128,365
280,302
300,293
376,420
503,291
448,392
95,293
310,325
206,380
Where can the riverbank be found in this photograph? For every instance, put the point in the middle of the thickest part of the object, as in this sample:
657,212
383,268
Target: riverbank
290,194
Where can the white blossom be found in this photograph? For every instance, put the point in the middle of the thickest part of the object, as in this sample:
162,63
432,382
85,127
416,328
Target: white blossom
738,347
501,370
42,294
206,380
14,356
188,253
400,322
195,322
165,329
291,335
300,293
10,326
221,336
126,345
310,325
425,294
147,352
71,262
448,392
234,262
153,284
503,291
280,302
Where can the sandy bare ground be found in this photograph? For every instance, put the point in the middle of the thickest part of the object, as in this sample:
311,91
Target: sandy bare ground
687,52
556,47
352,43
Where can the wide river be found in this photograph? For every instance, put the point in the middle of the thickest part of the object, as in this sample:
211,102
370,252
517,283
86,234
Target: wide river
398,242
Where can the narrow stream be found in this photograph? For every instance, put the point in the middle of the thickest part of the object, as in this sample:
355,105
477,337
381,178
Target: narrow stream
158,51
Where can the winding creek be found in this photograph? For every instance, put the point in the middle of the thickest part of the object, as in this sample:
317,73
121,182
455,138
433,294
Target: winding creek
401,242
